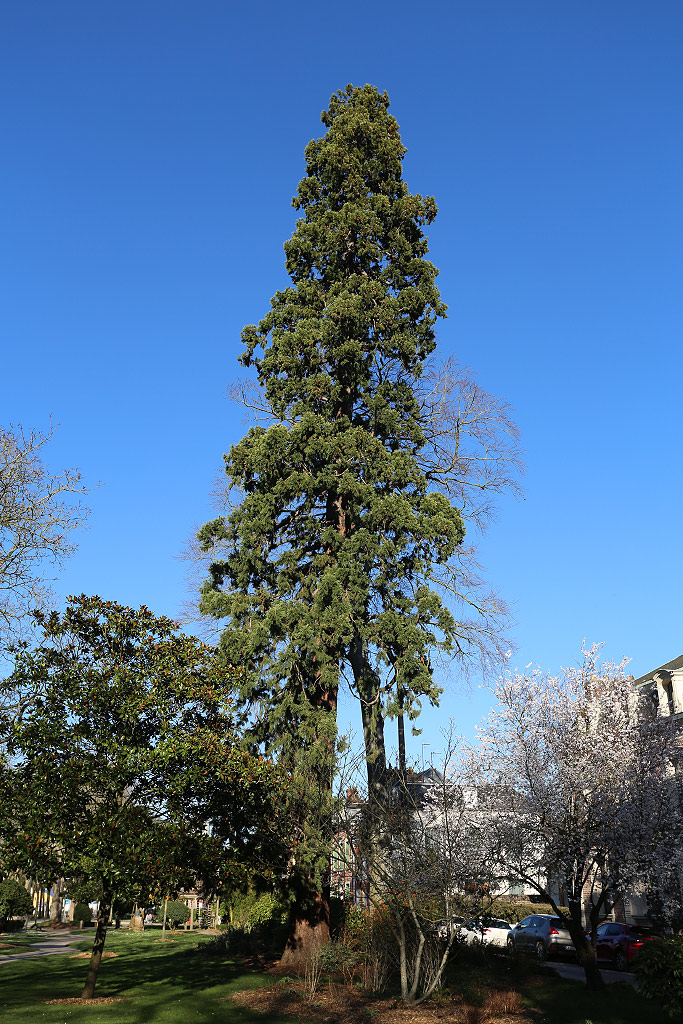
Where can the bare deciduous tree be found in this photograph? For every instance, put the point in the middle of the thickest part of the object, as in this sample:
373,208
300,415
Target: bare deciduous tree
425,851
39,511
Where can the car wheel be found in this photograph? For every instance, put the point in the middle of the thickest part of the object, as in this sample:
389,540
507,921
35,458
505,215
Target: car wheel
540,952
620,961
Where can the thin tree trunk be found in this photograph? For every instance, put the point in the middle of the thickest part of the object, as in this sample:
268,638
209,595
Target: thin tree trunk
402,958
589,961
56,901
368,688
98,947
163,927
585,950
402,750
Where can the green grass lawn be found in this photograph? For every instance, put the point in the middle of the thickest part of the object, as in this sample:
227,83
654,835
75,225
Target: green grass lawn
21,939
568,1002
170,983
161,983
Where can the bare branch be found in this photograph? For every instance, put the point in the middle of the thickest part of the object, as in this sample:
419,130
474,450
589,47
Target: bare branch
39,511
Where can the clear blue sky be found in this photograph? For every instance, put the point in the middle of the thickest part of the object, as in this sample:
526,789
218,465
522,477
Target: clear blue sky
150,151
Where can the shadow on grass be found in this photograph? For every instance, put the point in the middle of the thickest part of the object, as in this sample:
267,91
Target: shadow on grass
158,985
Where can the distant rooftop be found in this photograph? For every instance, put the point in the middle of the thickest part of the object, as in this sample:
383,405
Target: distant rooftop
669,667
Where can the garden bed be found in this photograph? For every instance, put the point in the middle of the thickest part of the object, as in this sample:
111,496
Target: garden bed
339,1004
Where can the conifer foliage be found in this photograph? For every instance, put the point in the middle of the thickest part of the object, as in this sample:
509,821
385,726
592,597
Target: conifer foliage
328,555
328,565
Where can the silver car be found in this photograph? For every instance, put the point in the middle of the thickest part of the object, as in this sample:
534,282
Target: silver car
543,935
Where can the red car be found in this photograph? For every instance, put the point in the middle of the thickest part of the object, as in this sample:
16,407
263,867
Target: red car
619,943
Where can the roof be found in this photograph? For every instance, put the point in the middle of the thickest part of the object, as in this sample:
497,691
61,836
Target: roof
670,666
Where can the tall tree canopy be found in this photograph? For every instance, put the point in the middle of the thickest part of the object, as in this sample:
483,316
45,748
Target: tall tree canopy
334,561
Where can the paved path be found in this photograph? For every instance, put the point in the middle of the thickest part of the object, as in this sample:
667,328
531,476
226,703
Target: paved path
576,973
60,942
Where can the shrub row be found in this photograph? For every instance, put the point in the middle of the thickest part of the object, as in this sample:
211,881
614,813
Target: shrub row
659,970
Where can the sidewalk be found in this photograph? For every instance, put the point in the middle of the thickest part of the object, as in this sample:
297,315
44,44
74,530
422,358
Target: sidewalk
574,972
58,943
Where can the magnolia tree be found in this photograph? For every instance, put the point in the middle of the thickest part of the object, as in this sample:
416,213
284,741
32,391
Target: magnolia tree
434,855
591,811
121,763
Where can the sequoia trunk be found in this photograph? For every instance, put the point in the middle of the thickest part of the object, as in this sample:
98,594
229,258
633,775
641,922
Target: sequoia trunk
309,931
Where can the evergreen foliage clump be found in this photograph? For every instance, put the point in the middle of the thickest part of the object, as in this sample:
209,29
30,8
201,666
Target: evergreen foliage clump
83,891
82,912
177,913
125,747
15,901
347,502
249,909
324,565
506,909
658,967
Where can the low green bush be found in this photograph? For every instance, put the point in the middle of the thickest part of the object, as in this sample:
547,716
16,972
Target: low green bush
658,967
267,909
11,924
177,913
15,901
338,958
218,945
82,912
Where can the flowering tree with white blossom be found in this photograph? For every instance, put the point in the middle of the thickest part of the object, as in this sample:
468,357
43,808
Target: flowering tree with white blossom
593,807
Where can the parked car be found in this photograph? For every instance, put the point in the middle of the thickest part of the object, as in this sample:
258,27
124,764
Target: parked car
493,930
619,943
541,934
445,927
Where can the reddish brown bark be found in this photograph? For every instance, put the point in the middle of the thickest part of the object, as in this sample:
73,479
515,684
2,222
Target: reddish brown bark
310,931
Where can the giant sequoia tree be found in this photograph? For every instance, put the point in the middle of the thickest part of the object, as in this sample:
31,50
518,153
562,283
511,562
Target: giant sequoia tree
333,562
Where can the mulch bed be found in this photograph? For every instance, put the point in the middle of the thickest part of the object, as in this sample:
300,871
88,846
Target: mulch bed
96,1001
86,956
339,1004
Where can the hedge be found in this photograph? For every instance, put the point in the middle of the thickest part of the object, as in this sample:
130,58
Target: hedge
658,967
